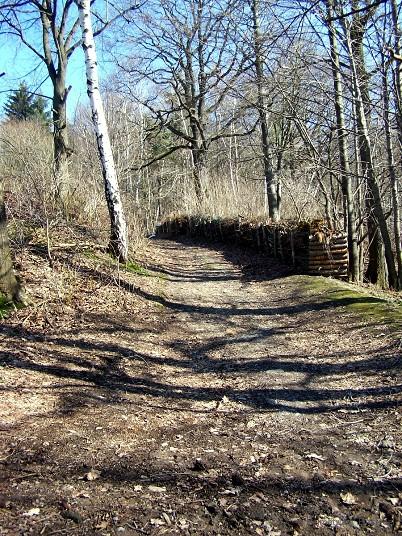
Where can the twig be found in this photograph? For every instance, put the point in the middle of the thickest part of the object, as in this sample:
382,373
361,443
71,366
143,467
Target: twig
345,423
24,476
135,528
49,254
33,310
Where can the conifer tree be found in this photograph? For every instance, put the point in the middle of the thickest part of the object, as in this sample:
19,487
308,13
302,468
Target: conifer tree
23,105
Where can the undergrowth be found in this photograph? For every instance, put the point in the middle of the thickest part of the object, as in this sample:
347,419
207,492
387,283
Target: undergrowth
6,307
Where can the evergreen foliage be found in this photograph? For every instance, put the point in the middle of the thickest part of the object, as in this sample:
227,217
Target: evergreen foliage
22,105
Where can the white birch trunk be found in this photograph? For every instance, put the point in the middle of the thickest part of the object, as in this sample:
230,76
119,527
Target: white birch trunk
118,231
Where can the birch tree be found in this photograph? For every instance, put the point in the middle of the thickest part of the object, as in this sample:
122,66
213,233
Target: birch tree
48,29
118,245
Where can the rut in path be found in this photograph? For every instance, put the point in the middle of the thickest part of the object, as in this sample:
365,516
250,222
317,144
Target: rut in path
237,403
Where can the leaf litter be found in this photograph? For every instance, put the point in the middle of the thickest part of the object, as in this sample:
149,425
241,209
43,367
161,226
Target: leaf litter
151,406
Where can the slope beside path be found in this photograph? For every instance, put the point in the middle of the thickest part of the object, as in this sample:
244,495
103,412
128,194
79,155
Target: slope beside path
222,395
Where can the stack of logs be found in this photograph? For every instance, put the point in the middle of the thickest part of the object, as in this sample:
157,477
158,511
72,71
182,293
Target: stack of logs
310,246
328,256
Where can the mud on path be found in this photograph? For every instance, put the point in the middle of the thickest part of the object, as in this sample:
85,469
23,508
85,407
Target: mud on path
215,399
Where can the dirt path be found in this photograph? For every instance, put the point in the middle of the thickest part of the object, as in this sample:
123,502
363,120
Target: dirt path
214,400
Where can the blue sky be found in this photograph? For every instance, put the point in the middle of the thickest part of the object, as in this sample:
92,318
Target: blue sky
20,64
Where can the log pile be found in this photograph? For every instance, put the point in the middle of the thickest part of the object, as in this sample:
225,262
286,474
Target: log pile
310,246
328,256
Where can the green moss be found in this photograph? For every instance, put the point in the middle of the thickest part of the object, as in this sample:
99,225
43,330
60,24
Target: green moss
370,305
90,254
136,268
6,307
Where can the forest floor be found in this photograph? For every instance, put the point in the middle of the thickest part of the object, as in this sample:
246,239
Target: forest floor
202,395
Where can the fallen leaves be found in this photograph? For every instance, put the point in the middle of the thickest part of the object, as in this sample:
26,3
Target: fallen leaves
157,489
93,474
348,498
32,512
314,456
280,453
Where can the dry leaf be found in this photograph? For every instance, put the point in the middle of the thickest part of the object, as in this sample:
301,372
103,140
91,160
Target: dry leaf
92,475
166,518
314,456
158,489
32,512
348,498
183,523
158,522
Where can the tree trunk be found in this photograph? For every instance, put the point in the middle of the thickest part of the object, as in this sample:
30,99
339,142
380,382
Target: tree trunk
272,188
118,245
397,71
60,139
361,96
347,186
376,212
392,170
198,158
9,286
398,113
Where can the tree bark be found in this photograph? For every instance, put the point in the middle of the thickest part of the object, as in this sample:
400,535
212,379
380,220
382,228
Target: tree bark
60,138
198,161
347,186
271,181
392,170
118,245
397,71
9,285
354,42
57,71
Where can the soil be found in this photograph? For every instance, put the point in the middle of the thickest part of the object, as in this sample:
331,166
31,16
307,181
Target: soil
212,395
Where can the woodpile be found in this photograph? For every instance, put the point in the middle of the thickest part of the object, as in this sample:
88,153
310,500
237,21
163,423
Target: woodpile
310,246
328,256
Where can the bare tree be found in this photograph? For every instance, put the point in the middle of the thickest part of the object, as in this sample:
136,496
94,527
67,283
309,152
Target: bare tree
354,32
48,28
187,57
396,53
271,181
118,233
347,185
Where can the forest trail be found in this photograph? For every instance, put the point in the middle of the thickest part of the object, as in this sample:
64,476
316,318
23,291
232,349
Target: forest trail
239,403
